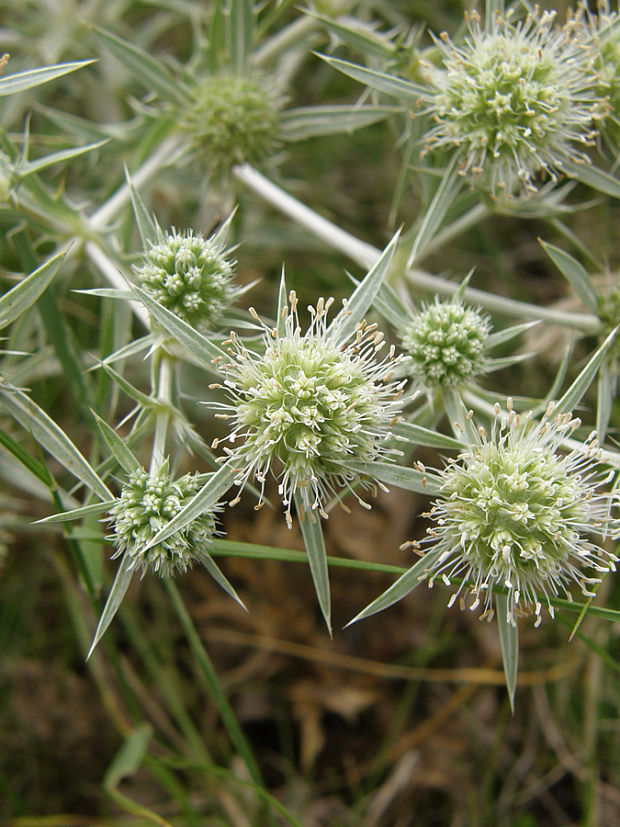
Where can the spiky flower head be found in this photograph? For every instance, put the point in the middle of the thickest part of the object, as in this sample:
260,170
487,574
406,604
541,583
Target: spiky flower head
603,29
147,503
519,513
189,275
445,343
311,406
234,119
515,99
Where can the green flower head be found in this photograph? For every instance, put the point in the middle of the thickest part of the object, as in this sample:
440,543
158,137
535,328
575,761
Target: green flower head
147,503
519,513
189,275
445,343
234,119
311,408
603,29
516,100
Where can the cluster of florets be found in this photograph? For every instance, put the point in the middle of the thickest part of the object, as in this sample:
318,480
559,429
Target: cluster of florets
311,404
519,515
188,275
445,343
604,30
234,118
515,99
147,503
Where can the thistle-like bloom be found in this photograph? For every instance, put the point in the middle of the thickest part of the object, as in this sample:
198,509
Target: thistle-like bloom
190,276
604,31
516,100
518,514
234,119
445,343
147,503
310,405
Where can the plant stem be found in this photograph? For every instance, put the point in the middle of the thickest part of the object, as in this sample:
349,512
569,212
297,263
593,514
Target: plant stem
163,376
366,255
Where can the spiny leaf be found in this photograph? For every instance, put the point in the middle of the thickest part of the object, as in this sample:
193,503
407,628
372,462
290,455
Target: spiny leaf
115,598
381,81
19,298
310,121
10,84
363,295
312,533
47,433
509,642
217,485
117,446
575,274
405,584
575,392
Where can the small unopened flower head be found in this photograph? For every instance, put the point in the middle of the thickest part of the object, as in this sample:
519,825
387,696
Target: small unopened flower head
234,119
445,343
310,405
147,503
190,276
516,101
520,513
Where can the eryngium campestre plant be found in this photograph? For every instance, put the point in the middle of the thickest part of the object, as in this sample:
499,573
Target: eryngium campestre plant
445,343
515,101
310,404
189,275
519,514
147,503
234,119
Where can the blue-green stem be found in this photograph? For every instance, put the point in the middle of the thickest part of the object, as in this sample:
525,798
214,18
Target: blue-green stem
366,255
163,376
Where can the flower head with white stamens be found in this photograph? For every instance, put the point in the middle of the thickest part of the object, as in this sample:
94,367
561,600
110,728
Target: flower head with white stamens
523,511
516,99
311,405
